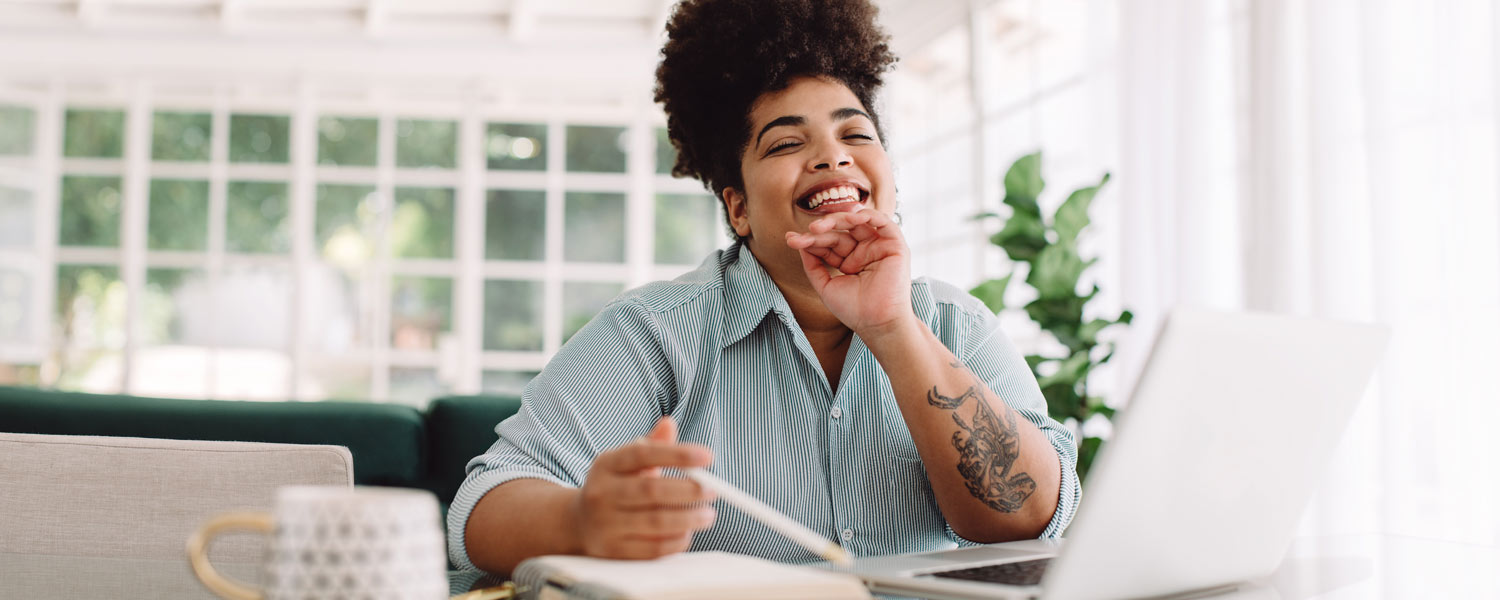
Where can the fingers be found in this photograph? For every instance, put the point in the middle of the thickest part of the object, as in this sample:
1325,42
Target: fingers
665,522
665,430
645,548
864,224
632,458
648,492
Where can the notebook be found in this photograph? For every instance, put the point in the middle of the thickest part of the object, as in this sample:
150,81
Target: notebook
690,575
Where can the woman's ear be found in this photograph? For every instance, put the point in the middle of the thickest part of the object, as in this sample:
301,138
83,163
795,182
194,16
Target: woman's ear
739,211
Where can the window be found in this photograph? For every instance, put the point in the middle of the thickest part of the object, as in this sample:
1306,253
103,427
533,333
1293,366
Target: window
299,251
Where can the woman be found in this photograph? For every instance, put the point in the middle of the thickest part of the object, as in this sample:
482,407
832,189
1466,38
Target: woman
802,364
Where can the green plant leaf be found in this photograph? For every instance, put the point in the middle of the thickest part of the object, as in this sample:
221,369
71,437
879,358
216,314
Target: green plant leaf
1032,360
1062,400
1058,316
1125,317
1022,237
992,293
1023,184
984,215
1072,369
1073,216
1089,332
1055,271
1088,449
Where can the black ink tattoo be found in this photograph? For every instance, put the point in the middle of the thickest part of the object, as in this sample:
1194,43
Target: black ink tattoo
987,447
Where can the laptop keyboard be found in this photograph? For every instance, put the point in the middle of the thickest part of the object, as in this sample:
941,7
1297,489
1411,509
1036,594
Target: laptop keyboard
1014,573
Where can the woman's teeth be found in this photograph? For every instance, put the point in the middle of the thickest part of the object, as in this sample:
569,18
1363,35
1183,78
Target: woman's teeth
836,195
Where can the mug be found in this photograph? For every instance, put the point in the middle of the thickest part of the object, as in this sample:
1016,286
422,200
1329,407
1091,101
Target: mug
335,541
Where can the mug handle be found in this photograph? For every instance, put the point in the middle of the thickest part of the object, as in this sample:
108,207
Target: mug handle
197,549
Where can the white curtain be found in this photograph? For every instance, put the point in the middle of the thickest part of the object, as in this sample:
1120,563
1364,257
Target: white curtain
1334,158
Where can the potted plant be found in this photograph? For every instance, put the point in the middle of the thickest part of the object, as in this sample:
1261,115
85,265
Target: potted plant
1045,250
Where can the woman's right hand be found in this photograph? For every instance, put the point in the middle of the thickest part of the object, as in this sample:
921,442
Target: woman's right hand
628,510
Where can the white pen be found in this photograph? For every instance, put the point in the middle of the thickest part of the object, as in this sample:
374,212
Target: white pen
773,518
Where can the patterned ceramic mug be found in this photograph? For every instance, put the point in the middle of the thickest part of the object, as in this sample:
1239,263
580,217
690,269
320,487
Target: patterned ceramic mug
337,542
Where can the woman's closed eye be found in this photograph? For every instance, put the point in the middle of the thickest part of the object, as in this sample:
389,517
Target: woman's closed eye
779,146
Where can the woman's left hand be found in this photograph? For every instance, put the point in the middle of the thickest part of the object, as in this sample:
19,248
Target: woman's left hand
859,264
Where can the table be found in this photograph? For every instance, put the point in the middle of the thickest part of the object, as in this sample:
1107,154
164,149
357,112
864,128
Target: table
1326,568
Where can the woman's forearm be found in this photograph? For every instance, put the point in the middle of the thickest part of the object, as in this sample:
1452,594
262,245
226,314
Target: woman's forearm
996,476
520,519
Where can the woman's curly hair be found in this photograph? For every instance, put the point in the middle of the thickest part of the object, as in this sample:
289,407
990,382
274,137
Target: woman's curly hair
721,55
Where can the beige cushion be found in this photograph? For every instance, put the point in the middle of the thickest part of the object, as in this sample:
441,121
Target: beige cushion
140,498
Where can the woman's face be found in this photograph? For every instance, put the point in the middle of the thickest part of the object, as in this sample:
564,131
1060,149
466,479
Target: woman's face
813,151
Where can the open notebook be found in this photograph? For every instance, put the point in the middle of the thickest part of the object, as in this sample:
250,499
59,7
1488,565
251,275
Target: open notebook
689,575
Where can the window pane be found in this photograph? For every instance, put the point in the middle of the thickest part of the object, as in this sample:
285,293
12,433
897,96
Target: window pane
90,211
15,130
512,315
342,381
422,226
347,141
421,310
415,387
171,371
93,370
259,138
178,216
251,374
180,136
582,300
337,310
20,375
257,217
515,225
16,218
176,307
505,383
596,149
426,144
344,227
516,146
94,133
15,306
90,307
685,225
594,227
666,155
255,303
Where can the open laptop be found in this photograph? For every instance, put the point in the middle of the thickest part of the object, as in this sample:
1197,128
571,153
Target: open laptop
1204,481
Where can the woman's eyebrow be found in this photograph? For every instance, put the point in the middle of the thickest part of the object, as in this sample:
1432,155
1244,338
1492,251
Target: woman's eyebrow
849,113
778,122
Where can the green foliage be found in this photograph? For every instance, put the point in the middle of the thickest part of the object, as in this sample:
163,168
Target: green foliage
348,142
426,144
177,218
1047,251
422,226
181,136
16,124
94,133
596,149
260,138
90,211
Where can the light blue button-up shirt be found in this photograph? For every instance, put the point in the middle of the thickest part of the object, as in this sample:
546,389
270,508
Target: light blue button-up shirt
719,350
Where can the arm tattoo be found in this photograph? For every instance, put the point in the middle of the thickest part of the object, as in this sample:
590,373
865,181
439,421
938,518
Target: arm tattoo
988,447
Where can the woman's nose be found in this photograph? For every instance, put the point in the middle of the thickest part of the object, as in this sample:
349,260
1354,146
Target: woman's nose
831,156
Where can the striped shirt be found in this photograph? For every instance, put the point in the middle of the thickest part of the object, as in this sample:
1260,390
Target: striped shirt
719,350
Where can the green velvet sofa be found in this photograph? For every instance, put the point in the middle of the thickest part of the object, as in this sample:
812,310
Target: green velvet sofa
392,445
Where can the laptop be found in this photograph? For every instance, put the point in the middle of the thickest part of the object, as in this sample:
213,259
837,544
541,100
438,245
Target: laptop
1202,486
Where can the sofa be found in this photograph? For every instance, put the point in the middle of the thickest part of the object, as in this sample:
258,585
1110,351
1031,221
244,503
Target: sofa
392,445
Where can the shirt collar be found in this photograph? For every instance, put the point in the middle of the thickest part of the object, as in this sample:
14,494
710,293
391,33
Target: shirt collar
749,293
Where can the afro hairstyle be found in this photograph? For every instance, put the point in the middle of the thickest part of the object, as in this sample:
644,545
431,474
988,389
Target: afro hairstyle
722,55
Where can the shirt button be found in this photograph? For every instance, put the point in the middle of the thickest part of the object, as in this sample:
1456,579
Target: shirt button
835,413
848,534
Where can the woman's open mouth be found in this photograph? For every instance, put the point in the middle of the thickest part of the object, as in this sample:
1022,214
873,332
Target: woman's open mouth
830,199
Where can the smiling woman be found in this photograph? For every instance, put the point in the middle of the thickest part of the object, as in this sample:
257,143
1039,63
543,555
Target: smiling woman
865,379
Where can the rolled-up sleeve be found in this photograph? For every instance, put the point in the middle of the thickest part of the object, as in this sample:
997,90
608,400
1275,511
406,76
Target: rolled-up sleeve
606,387
989,353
